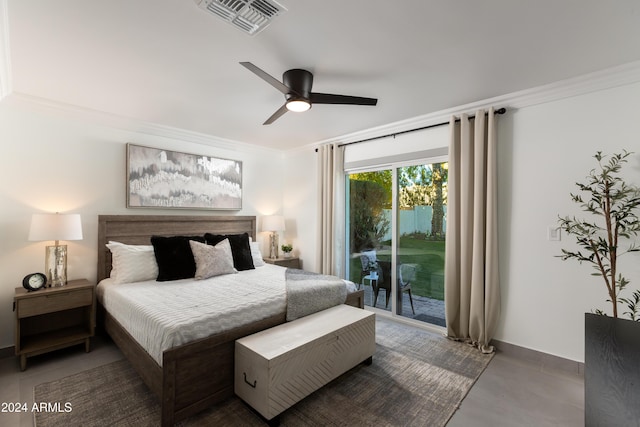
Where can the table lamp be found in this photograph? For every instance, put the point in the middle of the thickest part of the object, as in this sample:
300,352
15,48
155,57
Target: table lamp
273,223
56,227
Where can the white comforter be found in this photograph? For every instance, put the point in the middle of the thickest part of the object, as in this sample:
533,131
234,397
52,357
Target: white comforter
161,315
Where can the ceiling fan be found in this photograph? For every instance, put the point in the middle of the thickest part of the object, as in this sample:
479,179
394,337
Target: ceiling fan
296,87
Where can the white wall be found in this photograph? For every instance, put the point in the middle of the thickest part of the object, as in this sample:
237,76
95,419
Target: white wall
50,163
300,205
543,151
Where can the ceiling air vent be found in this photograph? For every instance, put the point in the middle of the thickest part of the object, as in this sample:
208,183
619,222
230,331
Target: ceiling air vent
251,16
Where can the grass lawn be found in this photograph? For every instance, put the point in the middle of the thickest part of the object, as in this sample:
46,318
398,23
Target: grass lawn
428,255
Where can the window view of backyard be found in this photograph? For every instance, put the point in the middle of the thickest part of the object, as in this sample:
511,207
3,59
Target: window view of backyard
420,218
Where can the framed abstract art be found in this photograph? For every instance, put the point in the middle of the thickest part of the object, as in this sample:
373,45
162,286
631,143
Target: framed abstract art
158,178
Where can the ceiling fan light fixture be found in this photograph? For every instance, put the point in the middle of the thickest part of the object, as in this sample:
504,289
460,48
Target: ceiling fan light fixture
298,105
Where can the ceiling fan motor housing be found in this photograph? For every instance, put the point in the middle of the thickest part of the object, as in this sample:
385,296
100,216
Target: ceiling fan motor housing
300,83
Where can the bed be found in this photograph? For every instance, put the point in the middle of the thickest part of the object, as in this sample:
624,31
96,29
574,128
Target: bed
198,374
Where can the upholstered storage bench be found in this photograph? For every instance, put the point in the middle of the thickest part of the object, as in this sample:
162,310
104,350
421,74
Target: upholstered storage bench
280,366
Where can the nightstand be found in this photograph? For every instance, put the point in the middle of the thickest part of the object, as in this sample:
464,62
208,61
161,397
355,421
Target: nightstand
54,318
284,262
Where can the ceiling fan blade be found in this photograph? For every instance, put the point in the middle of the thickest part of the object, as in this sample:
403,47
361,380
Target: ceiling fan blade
275,116
327,98
266,77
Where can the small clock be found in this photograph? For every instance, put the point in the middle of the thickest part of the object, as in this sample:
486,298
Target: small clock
34,281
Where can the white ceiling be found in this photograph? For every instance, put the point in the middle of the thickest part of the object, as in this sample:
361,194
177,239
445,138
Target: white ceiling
171,63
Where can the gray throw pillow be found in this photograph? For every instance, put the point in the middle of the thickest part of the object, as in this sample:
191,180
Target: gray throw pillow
212,260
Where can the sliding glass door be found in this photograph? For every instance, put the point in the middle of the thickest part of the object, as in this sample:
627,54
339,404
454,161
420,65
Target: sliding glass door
369,223
396,221
421,219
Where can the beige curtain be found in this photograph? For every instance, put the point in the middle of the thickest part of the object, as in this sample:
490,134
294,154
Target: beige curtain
330,209
472,288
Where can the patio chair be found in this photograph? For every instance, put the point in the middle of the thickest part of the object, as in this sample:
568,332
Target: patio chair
406,274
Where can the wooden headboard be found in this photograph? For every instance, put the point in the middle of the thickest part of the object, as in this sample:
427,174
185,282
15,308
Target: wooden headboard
138,229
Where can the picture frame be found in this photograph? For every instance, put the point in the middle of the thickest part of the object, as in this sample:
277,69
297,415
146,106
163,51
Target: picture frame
166,179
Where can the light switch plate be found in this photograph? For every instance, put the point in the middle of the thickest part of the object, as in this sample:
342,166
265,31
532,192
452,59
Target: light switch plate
553,234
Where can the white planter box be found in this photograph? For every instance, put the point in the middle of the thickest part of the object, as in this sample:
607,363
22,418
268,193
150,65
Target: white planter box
280,366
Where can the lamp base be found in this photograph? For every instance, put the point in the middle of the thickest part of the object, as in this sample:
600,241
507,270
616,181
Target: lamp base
56,265
273,245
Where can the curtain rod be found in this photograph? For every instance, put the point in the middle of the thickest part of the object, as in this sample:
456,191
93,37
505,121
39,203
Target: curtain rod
498,111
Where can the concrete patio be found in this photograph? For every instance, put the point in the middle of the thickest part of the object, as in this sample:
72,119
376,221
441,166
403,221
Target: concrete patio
426,309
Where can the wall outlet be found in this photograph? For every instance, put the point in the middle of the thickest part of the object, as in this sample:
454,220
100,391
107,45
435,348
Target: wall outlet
553,234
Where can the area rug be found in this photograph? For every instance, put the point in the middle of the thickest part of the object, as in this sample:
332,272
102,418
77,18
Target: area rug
417,379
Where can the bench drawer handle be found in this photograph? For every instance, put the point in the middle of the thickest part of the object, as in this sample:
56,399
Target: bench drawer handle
245,380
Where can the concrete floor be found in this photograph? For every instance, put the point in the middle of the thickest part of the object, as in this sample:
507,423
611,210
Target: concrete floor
511,391
516,392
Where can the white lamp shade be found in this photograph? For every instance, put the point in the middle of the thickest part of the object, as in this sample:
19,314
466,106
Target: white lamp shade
273,223
55,227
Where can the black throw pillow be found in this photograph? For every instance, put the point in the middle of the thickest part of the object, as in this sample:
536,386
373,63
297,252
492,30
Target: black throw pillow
174,257
240,248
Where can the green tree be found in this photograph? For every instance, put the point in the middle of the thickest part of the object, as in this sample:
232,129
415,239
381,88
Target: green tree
425,185
367,202
439,177
384,178
413,184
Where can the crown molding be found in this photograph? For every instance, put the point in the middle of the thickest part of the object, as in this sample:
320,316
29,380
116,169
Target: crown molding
5,57
587,83
101,118
600,80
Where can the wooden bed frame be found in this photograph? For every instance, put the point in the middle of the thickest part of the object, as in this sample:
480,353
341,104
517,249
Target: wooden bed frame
198,374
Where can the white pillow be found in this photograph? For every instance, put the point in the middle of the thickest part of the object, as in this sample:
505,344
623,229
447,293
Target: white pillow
132,263
256,254
212,260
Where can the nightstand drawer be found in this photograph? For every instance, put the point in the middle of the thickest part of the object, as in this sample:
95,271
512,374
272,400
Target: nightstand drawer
50,303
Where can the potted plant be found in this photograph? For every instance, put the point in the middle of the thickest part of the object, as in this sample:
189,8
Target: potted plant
287,248
612,344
